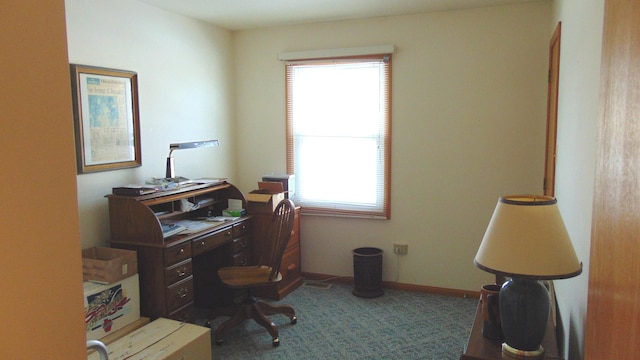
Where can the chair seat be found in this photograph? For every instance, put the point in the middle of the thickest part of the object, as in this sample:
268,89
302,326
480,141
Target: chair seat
247,276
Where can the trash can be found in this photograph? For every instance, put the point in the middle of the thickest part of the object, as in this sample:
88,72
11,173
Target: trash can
367,272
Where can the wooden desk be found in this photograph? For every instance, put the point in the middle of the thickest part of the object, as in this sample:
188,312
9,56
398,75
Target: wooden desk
179,272
480,348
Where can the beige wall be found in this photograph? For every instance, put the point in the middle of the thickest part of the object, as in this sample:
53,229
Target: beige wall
469,104
41,316
468,108
578,109
186,94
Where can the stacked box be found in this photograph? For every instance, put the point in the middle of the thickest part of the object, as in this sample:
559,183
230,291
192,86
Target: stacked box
108,265
110,307
266,198
162,339
288,183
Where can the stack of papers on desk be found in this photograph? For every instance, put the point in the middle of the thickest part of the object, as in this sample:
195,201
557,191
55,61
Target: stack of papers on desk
171,229
223,218
193,226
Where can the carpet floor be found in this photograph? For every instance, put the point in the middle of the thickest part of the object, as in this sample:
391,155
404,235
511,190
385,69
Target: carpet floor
334,324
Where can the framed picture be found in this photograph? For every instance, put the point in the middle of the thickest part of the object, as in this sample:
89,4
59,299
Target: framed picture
106,118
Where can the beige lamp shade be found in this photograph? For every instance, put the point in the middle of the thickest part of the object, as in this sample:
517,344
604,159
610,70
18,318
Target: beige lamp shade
526,237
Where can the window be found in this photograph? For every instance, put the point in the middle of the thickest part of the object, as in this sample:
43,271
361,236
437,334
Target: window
338,134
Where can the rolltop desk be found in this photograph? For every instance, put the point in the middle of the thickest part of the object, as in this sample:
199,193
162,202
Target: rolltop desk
178,272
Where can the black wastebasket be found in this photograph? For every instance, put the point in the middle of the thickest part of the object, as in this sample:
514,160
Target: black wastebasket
367,272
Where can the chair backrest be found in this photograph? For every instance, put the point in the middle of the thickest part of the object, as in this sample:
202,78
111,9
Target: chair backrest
278,236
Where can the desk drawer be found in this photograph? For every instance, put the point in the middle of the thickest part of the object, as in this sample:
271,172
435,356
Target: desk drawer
291,277
240,244
212,241
241,258
179,294
294,240
184,314
178,272
176,254
241,229
290,265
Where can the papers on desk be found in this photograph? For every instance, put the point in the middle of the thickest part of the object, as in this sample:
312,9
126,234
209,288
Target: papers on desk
194,226
171,229
223,218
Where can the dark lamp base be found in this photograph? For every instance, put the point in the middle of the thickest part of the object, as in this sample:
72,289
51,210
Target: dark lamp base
509,352
524,311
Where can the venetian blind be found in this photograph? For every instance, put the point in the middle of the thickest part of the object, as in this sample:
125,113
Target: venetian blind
338,134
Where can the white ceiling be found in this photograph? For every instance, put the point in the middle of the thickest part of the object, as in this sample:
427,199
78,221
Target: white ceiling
249,14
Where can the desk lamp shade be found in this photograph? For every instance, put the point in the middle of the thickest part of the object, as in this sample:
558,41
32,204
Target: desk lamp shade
526,240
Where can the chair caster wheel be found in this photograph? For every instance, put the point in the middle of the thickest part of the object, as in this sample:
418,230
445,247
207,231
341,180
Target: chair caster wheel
294,320
276,342
208,324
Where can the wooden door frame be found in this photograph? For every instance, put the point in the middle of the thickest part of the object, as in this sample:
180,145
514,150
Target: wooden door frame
614,295
553,81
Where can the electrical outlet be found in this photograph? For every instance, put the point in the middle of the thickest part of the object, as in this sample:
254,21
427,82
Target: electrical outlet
400,249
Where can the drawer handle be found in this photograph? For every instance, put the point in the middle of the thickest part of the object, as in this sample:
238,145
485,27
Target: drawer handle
244,244
202,243
182,293
244,262
181,251
291,267
228,233
181,273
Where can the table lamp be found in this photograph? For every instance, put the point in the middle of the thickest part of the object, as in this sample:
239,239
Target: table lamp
186,145
526,241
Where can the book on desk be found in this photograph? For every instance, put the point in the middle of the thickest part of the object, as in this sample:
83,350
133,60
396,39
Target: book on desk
171,229
133,190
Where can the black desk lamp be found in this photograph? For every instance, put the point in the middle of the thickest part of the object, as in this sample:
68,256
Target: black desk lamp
186,145
527,241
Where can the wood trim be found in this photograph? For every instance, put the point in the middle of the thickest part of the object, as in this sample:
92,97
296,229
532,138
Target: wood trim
614,295
348,280
552,113
337,53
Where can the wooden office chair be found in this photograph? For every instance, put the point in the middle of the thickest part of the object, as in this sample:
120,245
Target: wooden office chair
267,272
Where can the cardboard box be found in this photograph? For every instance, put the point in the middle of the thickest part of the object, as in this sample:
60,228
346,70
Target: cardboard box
108,265
110,307
115,335
288,183
266,198
162,339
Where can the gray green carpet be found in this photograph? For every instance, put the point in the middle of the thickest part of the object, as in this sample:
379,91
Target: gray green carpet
334,324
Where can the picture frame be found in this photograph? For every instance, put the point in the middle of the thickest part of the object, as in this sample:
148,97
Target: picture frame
106,118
